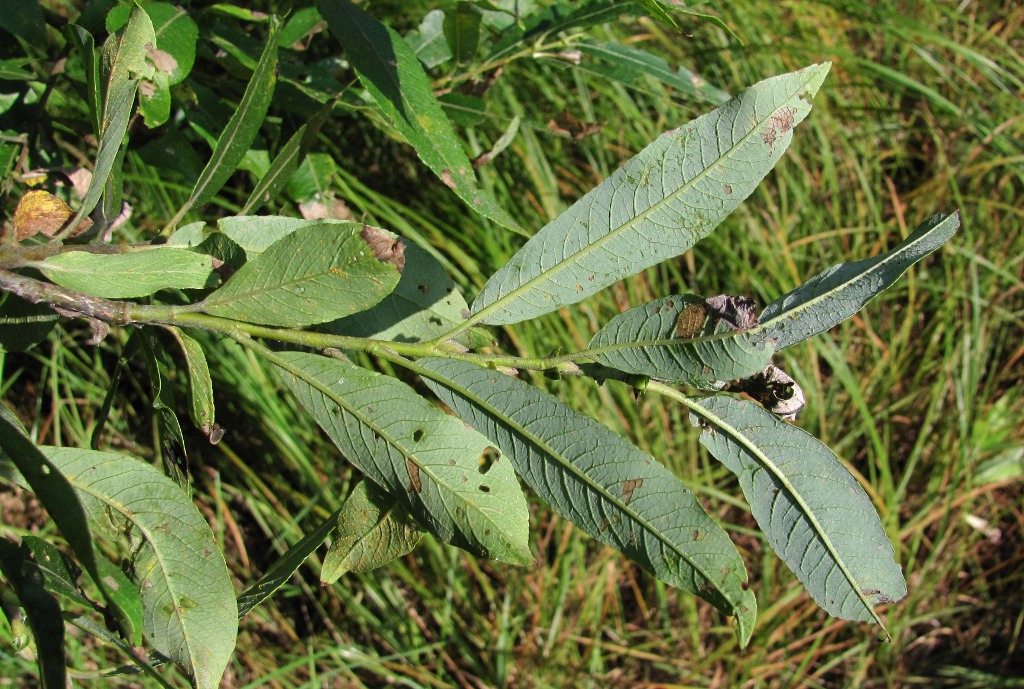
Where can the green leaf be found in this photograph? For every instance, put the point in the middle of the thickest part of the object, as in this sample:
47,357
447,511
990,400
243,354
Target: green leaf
155,100
373,529
462,31
463,109
610,489
240,132
135,273
200,385
319,272
628,65
124,65
393,75
42,611
656,206
24,20
171,441
301,23
23,324
656,9
428,41
648,340
658,12
561,16
58,571
189,605
176,34
312,179
257,233
834,295
815,515
283,568
424,305
10,70
38,472
427,459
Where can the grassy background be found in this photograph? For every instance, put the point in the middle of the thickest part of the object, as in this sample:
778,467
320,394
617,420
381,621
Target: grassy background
919,394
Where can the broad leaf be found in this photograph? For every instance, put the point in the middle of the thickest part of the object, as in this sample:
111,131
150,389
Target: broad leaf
188,602
834,295
428,41
394,77
422,456
240,132
610,489
425,305
656,206
257,233
373,529
22,323
813,512
653,340
283,568
176,35
319,272
135,273
462,31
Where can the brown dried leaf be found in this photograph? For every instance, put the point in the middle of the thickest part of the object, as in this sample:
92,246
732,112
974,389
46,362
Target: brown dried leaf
384,246
40,212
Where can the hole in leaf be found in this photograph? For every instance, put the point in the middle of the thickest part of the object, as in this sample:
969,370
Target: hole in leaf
488,458
418,434
484,488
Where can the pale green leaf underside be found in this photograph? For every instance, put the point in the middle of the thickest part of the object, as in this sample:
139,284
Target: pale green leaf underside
257,233
813,512
618,494
642,341
420,455
841,291
657,205
316,273
132,274
189,611
373,529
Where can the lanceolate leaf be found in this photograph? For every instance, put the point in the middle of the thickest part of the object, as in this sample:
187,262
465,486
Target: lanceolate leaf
136,273
841,291
240,131
200,385
188,603
420,455
656,206
373,529
613,491
812,510
391,72
651,340
317,273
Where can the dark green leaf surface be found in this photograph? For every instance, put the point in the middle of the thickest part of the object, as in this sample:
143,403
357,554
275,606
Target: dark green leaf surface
132,274
188,602
200,385
373,529
422,456
23,324
609,488
176,34
815,515
42,611
462,30
644,341
834,295
393,75
425,305
656,206
283,568
317,273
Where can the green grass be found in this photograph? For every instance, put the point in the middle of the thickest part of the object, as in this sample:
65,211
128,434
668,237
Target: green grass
920,114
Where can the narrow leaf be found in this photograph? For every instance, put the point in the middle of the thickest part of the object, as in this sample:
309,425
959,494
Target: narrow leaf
135,273
653,340
373,529
41,610
188,602
200,385
422,456
656,206
169,436
613,491
319,272
561,16
283,568
391,72
815,515
240,131
841,291
462,30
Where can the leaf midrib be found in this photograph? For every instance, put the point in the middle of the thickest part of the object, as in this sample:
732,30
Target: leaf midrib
615,232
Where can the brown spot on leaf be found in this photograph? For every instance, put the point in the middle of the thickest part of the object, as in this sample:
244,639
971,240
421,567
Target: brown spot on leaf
736,312
423,288
415,485
446,177
629,486
727,188
779,123
385,247
161,59
691,321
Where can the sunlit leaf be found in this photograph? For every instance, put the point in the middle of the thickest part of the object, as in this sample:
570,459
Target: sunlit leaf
135,273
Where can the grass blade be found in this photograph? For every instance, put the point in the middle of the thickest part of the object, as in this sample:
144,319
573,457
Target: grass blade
815,515
618,494
656,206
